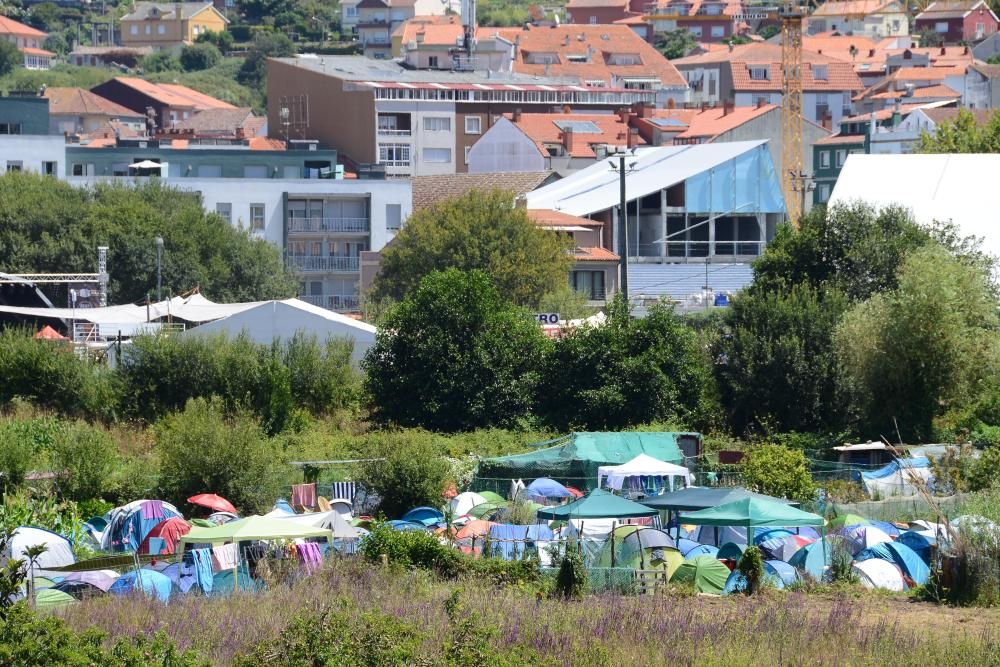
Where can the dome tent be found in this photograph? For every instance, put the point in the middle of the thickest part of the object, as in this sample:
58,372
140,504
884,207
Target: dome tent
463,502
814,558
706,573
902,556
777,573
633,546
58,550
878,573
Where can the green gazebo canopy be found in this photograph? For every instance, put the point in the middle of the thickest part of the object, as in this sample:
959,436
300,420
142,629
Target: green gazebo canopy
253,528
699,498
752,513
598,504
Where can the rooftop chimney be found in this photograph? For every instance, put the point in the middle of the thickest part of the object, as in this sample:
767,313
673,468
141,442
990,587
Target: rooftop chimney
944,51
704,106
633,137
760,102
871,53
671,104
567,139
623,115
517,115
727,107
567,109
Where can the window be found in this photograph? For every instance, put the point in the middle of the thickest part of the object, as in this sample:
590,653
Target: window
820,73
841,158
255,171
980,30
394,155
718,31
149,29
473,125
50,168
119,169
760,73
823,194
442,155
10,128
196,30
291,171
591,283
161,29
577,57
432,62
437,124
393,216
941,26
210,171
824,159
257,216
695,31
77,169
14,165
762,100
351,11
225,210
593,20
133,30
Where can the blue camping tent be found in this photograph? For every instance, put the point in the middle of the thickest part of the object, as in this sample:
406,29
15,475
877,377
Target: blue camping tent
921,542
813,559
906,558
685,545
702,550
428,516
890,529
399,524
731,551
779,574
772,534
543,487
153,583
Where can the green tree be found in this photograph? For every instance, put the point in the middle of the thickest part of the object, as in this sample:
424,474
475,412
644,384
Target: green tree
161,61
984,473
779,345
409,473
926,347
84,456
856,249
927,38
454,356
10,57
222,40
675,43
962,135
568,302
479,230
625,372
201,451
265,45
778,471
199,56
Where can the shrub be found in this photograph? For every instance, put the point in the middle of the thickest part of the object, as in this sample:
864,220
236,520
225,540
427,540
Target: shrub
15,458
778,471
412,549
84,457
200,56
408,474
571,579
202,451
751,566
985,471
161,61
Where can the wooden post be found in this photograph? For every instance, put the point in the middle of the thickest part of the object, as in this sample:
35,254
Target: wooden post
613,524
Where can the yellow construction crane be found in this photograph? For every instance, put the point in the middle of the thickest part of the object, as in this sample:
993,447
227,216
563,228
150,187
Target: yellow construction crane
792,16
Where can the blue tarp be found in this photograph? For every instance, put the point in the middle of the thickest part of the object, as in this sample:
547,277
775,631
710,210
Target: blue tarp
153,583
428,516
543,487
894,467
508,541
540,532
906,558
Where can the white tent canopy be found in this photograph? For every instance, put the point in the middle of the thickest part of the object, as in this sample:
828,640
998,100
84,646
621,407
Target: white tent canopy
333,521
642,465
58,550
463,502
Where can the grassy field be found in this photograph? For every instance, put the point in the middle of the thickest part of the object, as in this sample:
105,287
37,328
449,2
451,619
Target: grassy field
436,623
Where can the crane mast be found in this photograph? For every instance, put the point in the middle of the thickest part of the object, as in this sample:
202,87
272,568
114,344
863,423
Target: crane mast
792,16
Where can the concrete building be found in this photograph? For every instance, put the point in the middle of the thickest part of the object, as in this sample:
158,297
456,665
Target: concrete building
871,18
958,21
28,41
708,21
164,104
79,111
25,142
170,25
108,56
597,12
376,20
413,122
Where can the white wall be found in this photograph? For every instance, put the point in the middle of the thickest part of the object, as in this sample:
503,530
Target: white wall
32,150
504,148
420,138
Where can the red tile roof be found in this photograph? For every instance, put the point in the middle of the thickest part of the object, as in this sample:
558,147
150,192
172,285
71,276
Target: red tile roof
9,26
201,101
550,218
600,42
942,115
576,4
542,129
173,95
885,114
710,123
939,90
756,52
32,51
948,10
595,255
838,139
80,101
436,30
839,76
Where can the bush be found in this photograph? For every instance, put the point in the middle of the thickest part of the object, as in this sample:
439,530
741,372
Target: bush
203,452
571,580
223,40
751,566
199,56
161,61
15,458
778,471
405,474
412,548
84,457
985,471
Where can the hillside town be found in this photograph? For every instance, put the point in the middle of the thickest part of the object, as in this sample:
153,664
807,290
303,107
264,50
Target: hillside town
479,332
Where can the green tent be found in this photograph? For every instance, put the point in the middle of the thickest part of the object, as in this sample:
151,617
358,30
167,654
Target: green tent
482,509
751,513
598,504
492,497
575,460
848,520
49,598
640,548
253,528
706,573
698,498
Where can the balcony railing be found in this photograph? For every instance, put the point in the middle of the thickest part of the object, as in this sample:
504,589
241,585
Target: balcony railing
393,132
344,225
323,264
334,301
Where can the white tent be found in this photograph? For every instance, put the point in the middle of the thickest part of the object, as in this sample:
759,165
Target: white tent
265,321
463,502
878,573
58,550
642,465
333,521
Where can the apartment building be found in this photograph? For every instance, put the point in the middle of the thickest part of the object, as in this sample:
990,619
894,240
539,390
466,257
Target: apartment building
25,141
415,122
376,20
170,25
708,21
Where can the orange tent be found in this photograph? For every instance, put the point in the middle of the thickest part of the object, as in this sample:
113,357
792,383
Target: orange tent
48,333
471,537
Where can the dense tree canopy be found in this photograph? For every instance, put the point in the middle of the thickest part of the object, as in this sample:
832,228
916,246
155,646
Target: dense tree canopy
10,57
50,225
676,43
962,135
477,231
454,356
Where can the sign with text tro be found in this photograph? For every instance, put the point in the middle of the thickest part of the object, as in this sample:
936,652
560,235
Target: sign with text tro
547,318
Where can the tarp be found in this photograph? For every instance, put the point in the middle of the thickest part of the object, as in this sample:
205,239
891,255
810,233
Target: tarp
642,465
752,513
577,460
80,590
48,333
706,573
213,502
598,504
58,550
900,477
813,559
463,502
100,578
543,487
878,573
153,584
508,541
903,556
253,528
699,498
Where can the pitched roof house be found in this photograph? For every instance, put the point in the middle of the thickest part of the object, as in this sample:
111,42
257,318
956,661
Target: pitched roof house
28,41
872,18
79,111
958,21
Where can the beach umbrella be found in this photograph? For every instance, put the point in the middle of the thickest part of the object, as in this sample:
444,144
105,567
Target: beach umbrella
212,502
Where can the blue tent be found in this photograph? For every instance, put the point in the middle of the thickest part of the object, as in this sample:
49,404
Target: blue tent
906,558
508,541
773,534
919,541
127,529
890,529
685,545
702,550
779,574
399,524
222,582
153,583
543,487
428,516
813,559
731,551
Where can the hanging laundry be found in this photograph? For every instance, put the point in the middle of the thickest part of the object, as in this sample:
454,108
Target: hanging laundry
152,509
225,556
310,555
203,569
304,495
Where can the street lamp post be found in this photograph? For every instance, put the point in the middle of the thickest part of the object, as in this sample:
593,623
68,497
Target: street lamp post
621,169
159,281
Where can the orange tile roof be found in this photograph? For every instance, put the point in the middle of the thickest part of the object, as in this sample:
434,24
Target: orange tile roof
885,114
574,4
756,52
201,101
927,73
78,101
632,20
32,51
595,255
550,218
9,26
265,144
602,40
542,129
840,76
715,121
938,90
837,139
671,8
173,95
853,7
437,30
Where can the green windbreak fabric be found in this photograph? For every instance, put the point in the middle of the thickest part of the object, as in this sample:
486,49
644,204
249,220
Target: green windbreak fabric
752,513
598,504
699,498
253,528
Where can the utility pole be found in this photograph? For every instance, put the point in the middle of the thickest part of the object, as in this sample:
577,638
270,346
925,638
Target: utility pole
623,246
159,282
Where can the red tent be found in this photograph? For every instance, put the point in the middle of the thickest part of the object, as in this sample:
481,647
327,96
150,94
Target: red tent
48,333
170,531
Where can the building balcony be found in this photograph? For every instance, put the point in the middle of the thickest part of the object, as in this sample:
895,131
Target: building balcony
342,302
340,225
323,264
393,132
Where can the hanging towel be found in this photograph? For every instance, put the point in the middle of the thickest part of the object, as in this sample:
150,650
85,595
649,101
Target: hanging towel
225,556
310,555
203,569
304,495
152,509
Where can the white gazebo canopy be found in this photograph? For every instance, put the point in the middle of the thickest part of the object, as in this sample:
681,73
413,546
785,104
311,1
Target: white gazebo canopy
642,465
